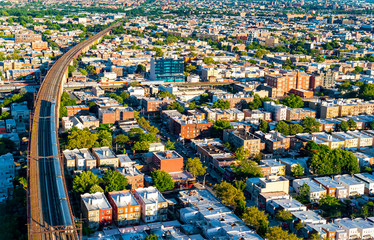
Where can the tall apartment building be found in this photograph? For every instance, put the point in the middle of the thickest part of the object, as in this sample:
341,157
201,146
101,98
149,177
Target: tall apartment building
299,113
167,70
242,138
96,210
285,81
126,209
27,38
153,204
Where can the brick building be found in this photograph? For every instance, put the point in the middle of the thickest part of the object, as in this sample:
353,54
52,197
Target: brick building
135,179
242,138
77,110
126,209
155,104
285,81
168,161
116,114
192,128
275,142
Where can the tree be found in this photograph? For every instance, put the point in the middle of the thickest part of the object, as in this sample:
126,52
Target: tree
254,217
310,125
282,127
304,192
245,168
208,60
140,68
159,52
71,69
151,237
228,194
96,188
297,170
169,145
367,91
105,138
344,126
330,205
352,124
295,129
176,106
162,180
293,101
333,161
264,126
81,139
260,53
83,182
121,139
219,126
141,147
276,233
283,215
221,103
195,167
113,181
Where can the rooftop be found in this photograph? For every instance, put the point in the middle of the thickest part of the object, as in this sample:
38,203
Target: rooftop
123,198
104,152
150,195
95,201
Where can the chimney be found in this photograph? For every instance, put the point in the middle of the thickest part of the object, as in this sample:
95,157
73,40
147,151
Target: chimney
168,154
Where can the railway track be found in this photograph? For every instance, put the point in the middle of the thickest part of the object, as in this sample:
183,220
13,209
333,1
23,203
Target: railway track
49,212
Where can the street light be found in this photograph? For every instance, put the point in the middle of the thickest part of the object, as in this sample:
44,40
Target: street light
204,179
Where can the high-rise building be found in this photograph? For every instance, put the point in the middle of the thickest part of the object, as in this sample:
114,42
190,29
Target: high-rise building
167,70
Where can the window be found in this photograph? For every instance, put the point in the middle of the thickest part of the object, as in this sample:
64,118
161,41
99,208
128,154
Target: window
120,210
108,211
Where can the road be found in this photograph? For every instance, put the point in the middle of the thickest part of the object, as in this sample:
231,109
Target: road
49,212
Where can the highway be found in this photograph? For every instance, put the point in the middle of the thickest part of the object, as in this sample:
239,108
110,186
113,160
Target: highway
49,212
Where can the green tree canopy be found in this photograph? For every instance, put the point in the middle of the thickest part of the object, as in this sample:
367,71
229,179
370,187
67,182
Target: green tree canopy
254,217
222,104
344,126
303,195
113,181
176,106
169,145
219,126
283,215
195,167
96,188
310,125
293,101
82,183
82,139
162,180
331,206
297,170
264,126
276,233
228,194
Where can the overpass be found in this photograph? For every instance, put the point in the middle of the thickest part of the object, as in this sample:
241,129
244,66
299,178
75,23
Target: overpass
49,212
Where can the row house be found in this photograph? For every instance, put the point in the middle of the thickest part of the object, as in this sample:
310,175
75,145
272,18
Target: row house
105,157
153,204
272,167
96,210
126,209
299,113
257,114
216,114
316,190
79,159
